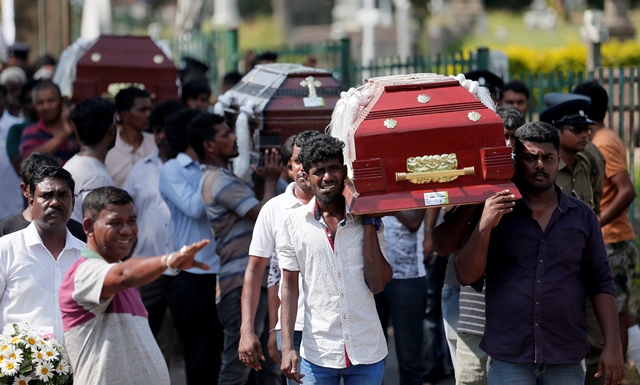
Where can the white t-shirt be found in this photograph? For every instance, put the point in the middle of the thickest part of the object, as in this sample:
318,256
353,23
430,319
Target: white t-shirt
265,233
30,279
89,174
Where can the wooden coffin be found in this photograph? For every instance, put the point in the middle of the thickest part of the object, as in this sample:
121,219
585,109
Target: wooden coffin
423,140
117,62
286,98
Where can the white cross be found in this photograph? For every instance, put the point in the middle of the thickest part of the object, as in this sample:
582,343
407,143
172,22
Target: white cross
312,83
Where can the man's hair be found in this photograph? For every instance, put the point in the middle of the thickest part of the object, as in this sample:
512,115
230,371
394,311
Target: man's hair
45,85
26,90
175,128
43,61
98,199
4,91
48,172
161,110
35,161
322,147
516,86
126,98
599,99
93,118
537,132
202,128
194,88
230,79
511,117
286,150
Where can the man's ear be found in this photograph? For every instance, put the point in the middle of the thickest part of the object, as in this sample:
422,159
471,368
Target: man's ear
210,147
30,200
87,226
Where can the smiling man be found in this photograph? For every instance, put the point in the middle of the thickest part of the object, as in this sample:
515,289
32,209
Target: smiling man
541,257
105,323
339,259
34,260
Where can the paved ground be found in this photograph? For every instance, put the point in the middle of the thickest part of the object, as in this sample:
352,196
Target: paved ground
390,376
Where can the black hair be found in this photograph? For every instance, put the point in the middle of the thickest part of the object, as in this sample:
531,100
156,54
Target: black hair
516,86
286,150
303,138
161,110
202,128
194,88
175,128
512,118
25,90
49,172
599,99
538,132
323,147
230,79
33,162
125,99
43,61
3,91
45,85
93,118
98,199
268,56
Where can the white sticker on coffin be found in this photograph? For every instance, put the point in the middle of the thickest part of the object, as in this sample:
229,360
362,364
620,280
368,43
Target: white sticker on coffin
436,198
313,102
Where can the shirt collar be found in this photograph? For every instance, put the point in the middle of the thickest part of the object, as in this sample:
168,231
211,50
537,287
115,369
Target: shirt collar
185,160
90,254
564,201
32,237
312,210
290,197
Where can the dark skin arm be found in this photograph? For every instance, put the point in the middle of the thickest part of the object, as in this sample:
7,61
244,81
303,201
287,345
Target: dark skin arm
411,219
471,260
626,194
289,306
611,364
139,271
267,181
448,236
377,271
274,304
430,220
250,348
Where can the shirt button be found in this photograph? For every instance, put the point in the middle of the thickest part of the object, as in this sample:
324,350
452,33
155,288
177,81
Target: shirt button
541,260
537,303
536,324
538,281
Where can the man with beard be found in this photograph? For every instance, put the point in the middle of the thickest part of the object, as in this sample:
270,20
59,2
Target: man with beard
339,258
541,257
581,170
93,120
34,260
53,133
263,257
232,209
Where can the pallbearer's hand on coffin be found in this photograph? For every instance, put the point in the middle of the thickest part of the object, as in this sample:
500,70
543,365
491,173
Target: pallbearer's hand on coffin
272,166
494,208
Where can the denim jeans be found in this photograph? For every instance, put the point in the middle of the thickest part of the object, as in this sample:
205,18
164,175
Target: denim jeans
502,372
234,372
297,340
353,375
405,300
451,316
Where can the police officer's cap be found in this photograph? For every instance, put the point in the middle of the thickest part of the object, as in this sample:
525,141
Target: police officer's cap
566,109
486,79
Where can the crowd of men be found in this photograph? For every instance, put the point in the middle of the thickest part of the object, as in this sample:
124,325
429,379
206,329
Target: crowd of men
278,276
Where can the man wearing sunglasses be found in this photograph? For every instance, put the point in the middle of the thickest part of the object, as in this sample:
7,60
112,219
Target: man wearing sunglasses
581,170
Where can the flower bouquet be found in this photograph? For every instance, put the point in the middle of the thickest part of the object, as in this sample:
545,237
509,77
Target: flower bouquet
28,357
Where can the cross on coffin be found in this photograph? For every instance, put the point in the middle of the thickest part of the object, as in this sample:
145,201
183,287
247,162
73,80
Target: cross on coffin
312,83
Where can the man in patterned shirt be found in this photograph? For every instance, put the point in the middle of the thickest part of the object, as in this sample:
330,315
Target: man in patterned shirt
340,260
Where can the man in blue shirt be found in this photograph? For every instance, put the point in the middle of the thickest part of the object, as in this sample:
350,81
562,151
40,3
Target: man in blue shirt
193,303
546,255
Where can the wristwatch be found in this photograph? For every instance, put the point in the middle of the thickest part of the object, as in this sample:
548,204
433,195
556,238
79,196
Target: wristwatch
377,222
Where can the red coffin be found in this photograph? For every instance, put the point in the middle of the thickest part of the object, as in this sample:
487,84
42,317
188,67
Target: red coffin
423,140
286,98
116,62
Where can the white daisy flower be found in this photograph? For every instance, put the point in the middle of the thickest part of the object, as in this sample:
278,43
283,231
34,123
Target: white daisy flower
9,367
50,353
22,380
16,355
44,371
38,355
32,340
63,367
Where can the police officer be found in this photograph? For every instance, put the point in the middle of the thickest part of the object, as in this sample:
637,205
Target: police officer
581,167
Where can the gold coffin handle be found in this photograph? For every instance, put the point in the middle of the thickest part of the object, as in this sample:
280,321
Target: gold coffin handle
415,176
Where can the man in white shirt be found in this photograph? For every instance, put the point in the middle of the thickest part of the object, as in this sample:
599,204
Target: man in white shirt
33,261
132,142
93,119
261,250
340,260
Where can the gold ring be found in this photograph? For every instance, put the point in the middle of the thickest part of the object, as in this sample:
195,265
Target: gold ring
183,249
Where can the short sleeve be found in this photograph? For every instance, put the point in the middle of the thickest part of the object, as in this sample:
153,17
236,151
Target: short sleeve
230,193
614,153
88,283
263,242
284,245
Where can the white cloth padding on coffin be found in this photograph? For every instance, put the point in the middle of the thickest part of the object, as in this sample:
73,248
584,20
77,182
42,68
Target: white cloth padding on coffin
224,101
241,163
481,93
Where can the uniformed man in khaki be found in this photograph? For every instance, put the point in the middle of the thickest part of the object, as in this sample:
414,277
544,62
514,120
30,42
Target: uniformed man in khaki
581,163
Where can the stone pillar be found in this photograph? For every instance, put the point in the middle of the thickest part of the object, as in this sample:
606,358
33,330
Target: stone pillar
403,28
616,19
